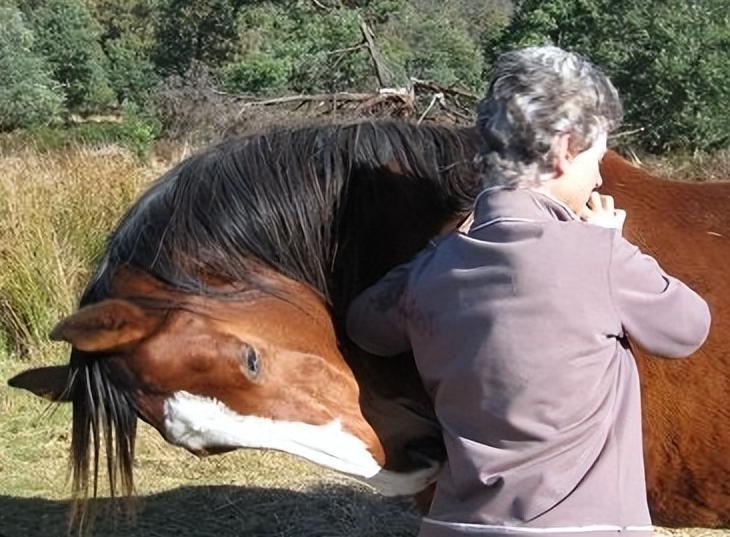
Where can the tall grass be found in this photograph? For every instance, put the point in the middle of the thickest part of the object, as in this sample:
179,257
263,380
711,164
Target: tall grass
56,210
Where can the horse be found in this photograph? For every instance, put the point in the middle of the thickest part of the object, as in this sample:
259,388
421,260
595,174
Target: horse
217,312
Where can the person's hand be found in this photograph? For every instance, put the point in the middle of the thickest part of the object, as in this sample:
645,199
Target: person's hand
600,211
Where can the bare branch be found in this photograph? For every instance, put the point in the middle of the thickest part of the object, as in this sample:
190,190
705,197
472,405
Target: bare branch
348,49
626,133
456,113
380,71
320,5
437,97
446,90
342,96
400,100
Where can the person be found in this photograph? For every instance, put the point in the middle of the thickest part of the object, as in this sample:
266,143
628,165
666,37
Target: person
519,326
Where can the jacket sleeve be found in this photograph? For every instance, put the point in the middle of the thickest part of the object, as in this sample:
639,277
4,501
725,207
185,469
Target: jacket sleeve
658,312
376,319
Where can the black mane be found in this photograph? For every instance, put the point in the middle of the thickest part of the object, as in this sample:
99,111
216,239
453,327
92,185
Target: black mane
291,199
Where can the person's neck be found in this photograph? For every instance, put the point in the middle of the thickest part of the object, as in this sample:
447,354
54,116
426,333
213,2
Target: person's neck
545,187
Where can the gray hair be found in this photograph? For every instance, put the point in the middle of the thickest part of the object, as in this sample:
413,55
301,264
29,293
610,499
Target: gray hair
536,94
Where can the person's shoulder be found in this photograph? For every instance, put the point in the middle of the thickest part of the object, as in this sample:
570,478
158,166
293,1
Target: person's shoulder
438,255
593,244
585,231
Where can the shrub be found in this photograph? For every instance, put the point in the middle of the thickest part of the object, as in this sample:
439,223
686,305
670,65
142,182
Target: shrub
68,37
28,94
136,131
668,58
193,32
434,44
131,71
297,48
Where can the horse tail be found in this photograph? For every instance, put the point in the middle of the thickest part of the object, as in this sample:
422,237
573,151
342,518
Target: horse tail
102,414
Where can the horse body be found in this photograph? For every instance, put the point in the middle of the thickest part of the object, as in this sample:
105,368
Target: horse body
217,313
686,226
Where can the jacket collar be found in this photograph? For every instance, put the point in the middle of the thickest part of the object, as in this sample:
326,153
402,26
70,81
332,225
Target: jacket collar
518,204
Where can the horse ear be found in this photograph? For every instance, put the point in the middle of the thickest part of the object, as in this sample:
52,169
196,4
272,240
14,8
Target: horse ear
105,326
47,382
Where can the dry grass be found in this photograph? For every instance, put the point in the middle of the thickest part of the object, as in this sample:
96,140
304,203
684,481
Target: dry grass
688,167
55,212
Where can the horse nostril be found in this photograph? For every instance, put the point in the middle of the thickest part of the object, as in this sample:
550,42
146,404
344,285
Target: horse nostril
251,362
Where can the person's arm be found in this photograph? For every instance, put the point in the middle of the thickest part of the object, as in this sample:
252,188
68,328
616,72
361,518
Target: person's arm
658,312
376,318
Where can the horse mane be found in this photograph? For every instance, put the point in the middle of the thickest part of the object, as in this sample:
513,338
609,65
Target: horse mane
305,202
279,200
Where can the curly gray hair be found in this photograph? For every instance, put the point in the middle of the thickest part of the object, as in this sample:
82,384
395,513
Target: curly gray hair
536,94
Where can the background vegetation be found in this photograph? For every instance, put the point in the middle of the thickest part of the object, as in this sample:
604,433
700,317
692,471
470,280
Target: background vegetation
98,97
63,58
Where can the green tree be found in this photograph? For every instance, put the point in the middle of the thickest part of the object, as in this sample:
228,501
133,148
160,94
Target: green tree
190,31
128,40
131,71
28,94
297,47
433,40
68,37
668,58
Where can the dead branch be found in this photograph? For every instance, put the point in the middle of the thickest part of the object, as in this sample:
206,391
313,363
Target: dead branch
446,90
380,71
400,100
437,97
456,113
627,133
348,49
320,5
342,96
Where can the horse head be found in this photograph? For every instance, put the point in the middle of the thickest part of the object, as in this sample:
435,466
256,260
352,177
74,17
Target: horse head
216,313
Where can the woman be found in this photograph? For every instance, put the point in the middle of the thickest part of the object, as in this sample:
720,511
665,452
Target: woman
519,327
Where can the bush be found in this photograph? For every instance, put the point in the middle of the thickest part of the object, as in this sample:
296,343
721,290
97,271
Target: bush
432,42
297,48
193,32
189,109
136,131
668,58
68,37
131,71
28,94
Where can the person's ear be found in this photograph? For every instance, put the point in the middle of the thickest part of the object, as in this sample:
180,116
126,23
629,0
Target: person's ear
562,155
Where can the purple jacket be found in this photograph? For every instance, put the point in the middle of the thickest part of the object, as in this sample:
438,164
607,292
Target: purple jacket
519,333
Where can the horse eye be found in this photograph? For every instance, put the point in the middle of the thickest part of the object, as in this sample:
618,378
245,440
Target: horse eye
251,362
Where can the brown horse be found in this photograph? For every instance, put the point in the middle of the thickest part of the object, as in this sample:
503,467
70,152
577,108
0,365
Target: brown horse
216,314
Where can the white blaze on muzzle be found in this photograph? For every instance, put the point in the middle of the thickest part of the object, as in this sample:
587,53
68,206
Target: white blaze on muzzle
196,423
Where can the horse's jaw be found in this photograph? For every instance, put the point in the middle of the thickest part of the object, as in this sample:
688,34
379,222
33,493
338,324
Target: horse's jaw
202,424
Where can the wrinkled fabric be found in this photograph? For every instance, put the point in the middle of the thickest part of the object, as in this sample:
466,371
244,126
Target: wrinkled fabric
519,330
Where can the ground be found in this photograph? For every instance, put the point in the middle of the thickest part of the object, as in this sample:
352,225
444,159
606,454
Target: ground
245,493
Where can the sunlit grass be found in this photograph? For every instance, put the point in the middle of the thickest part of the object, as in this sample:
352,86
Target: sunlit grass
56,210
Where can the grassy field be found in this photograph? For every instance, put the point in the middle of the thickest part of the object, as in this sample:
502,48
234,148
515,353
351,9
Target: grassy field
55,211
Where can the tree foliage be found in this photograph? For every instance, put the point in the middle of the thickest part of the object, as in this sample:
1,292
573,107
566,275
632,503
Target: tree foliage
668,58
128,40
68,37
297,48
28,94
431,40
187,32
